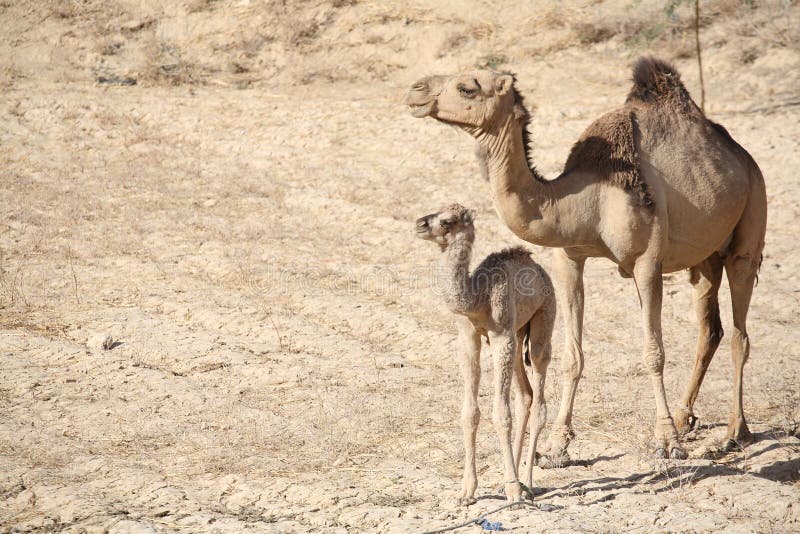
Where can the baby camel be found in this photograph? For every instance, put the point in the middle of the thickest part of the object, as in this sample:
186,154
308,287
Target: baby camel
508,299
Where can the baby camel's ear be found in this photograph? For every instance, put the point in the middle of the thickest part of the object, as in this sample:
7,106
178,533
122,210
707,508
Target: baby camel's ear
503,84
468,216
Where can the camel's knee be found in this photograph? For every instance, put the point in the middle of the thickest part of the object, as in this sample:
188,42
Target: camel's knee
470,416
501,416
654,358
572,362
571,369
538,416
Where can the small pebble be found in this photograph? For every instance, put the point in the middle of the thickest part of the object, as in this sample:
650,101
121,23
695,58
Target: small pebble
101,341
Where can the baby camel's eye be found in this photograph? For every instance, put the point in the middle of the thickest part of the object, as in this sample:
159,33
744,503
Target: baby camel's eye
466,91
446,224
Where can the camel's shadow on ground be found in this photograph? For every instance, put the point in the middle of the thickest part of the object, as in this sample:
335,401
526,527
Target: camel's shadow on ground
670,475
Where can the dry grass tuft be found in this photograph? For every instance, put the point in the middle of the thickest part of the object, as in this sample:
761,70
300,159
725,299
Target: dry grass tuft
12,285
590,33
166,65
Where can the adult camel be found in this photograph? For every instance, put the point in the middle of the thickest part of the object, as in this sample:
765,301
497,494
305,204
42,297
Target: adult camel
655,187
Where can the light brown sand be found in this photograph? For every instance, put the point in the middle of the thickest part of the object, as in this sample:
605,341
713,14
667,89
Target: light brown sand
283,364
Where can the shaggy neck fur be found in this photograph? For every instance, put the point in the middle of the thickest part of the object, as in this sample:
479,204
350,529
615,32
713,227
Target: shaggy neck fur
454,279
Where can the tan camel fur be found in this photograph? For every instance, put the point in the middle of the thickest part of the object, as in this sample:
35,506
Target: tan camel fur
655,187
509,299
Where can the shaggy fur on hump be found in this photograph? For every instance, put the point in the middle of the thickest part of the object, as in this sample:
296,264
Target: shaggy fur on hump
506,254
608,146
657,82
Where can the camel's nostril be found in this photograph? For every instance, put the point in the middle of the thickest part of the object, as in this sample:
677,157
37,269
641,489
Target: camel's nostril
419,86
422,223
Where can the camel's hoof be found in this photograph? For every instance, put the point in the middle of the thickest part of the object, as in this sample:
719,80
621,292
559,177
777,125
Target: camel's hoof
676,453
738,439
466,501
557,461
465,498
513,491
736,445
730,445
527,491
685,422
693,422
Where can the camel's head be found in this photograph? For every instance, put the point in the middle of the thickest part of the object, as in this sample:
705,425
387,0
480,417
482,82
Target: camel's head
474,101
443,226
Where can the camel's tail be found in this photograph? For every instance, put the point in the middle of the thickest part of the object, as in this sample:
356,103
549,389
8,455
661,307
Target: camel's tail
655,80
526,343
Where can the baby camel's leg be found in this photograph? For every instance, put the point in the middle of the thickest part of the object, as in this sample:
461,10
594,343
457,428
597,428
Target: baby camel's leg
522,398
541,332
505,348
470,363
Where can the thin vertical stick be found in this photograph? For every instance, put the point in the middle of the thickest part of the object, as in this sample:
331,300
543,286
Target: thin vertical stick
699,58
72,269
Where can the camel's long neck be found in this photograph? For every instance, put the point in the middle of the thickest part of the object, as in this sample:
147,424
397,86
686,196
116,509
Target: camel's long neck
454,280
541,212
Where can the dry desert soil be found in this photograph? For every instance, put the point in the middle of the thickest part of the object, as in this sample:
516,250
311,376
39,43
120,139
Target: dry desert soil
240,221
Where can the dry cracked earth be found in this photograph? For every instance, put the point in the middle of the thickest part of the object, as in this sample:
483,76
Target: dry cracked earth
282,362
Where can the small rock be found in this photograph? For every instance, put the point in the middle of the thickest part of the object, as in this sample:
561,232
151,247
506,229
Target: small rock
101,341
210,203
25,499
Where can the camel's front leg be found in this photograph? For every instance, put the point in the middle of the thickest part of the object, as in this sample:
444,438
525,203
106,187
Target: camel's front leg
504,349
470,362
647,274
569,273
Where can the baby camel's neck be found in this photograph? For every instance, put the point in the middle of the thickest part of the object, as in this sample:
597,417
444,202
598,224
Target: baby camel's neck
454,279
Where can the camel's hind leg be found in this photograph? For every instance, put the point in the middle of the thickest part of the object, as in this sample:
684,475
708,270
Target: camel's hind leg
741,271
541,332
504,347
741,267
706,278
522,397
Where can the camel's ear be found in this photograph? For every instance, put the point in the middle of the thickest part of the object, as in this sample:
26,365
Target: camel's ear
468,217
503,84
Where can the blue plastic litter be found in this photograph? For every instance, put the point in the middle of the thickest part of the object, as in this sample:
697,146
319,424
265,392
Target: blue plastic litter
496,526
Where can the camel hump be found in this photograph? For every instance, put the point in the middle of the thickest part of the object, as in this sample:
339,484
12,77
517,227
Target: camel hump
656,80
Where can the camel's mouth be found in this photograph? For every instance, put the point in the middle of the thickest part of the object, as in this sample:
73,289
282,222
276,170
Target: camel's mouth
421,110
423,229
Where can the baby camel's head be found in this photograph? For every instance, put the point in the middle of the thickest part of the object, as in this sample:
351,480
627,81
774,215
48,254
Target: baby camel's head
444,226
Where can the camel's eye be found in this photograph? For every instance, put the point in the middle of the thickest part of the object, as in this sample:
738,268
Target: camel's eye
446,224
466,91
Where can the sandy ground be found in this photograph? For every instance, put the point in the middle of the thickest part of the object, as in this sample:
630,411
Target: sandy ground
282,363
